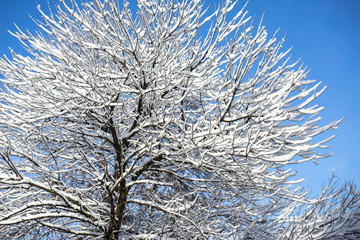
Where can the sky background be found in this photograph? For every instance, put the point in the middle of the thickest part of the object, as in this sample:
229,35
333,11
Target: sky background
325,34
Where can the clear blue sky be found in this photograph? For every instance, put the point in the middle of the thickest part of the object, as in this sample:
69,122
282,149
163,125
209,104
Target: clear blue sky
325,34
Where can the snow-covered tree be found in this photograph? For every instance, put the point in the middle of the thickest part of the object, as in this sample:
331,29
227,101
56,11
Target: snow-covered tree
170,123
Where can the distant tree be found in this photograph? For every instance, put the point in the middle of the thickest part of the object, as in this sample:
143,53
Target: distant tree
165,124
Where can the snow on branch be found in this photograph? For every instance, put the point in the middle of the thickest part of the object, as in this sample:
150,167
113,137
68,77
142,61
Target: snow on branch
160,120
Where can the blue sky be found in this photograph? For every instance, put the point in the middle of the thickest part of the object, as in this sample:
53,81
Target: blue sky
325,34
